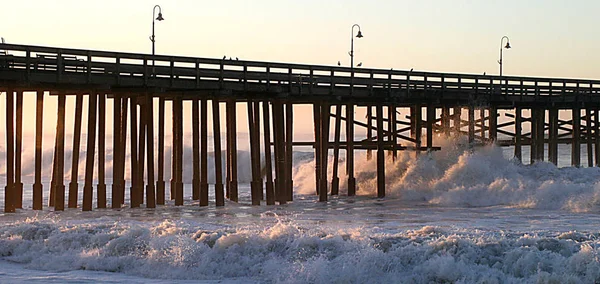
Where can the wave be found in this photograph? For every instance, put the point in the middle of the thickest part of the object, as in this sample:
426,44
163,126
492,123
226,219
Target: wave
285,252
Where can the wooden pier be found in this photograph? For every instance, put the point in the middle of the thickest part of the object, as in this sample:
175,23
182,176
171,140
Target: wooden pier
435,103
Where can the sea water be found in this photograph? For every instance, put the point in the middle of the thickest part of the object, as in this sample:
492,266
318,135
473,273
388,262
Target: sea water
459,215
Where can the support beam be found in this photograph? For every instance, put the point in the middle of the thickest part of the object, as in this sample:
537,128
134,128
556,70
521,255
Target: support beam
471,121
370,128
101,187
141,151
232,150
73,185
219,193
150,189
270,192
59,195
203,153
39,127
493,122
18,189
335,180
430,123
279,133
324,127
350,149
116,190
380,153
195,150
457,113
553,136
589,137
317,145
90,152
9,192
254,158
597,136
518,131
289,155
576,143
179,153
160,183
123,150
135,186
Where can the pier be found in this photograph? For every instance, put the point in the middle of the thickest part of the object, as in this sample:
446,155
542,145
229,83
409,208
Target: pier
269,90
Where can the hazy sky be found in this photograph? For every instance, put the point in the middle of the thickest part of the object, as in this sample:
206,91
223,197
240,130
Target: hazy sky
549,37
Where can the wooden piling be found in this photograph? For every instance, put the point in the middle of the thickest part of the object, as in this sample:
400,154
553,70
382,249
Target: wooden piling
232,150
39,125
289,154
195,150
133,130
350,149
219,193
533,147
116,190
256,129
173,149
589,136
380,153
482,124
254,158
73,185
418,127
123,150
9,202
179,152
269,187
101,187
430,123
597,136
317,145
150,189
324,127
393,131
553,136
493,122
160,183
203,153
471,113
541,128
370,129
335,180
18,185
141,151
59,195
457,123
518,132
90,152
576,137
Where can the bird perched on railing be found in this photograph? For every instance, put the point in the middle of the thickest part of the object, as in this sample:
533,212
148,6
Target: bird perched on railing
224,57
339,64
359,64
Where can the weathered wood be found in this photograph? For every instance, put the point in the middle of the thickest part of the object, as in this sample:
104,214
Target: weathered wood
101,187
9,199
430,122
203,153
350,149
589,137
59,195
139,195
73,185
195,150
232,149
90,152
471,111
254,158
370,128
324,128
335,180
179,152
18,185
279,132
393,131
116,190
518,132
418,126
553,136
134,152
597,136
160,183
380,153
289,154
457,113
173,149
39,127
576,144
269,187
316,146
123,150
219,193
150,189
493,121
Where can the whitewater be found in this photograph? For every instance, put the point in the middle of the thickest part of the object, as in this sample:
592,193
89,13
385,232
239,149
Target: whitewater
460,215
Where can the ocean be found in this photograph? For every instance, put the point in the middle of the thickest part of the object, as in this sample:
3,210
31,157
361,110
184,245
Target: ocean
459,215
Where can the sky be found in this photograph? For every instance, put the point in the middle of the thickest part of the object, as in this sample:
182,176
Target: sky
549,38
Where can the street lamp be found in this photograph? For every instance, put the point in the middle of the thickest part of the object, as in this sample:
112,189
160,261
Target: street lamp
159,18
507,46
351,53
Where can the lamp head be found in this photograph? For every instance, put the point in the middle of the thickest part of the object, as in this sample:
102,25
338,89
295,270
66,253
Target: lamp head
160,17
359,34
507,45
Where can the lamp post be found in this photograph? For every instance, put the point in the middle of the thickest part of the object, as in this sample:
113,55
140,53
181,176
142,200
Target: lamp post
507,46
351,53
159,18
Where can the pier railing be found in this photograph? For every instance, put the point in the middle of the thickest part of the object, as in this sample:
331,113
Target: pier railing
36,64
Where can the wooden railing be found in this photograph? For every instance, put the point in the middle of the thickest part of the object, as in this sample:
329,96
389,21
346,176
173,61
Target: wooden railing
116,68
